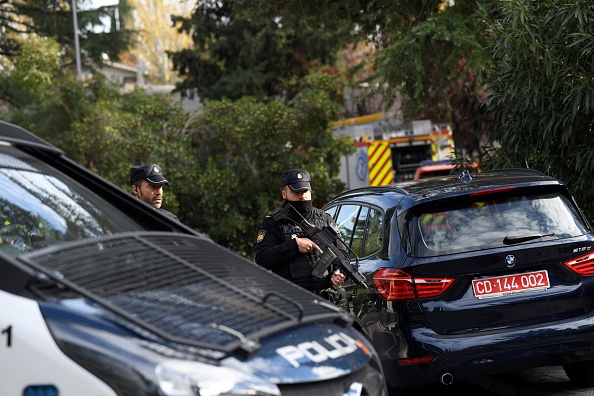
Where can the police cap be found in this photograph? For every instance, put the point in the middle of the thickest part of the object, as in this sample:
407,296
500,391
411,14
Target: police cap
297,179
151,173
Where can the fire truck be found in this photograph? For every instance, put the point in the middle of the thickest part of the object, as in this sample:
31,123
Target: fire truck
389,150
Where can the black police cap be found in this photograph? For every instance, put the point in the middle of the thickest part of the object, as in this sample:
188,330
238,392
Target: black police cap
151,173
297,179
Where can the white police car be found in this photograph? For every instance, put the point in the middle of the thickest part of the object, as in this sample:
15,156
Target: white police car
102,295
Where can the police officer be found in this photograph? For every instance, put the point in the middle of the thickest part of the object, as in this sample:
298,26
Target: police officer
147,184
283,246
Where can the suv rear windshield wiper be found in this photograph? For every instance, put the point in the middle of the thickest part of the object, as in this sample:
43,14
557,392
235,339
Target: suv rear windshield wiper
510,240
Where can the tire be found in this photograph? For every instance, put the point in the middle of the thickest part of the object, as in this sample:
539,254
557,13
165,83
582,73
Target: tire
581,373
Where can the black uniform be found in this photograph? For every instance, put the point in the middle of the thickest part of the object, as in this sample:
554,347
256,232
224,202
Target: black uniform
167,213
277,250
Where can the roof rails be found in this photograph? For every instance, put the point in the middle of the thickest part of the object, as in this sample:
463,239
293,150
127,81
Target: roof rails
15,134
379,189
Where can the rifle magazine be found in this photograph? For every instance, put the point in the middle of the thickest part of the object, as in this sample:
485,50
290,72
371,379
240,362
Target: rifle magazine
323,263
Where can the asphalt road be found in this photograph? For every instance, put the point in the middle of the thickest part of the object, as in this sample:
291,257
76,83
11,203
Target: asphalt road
543,381
459,388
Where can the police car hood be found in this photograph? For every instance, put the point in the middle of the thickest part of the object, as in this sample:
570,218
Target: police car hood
182,289
305,354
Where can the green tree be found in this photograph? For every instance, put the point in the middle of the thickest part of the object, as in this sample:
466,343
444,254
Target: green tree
430,53
224,162
543,91
235,57
244,146
37,67
95,124
50,18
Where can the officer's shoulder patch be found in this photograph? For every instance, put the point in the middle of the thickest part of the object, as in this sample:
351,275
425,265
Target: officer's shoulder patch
261,236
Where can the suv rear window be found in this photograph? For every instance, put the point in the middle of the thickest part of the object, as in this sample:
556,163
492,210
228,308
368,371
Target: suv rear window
492,222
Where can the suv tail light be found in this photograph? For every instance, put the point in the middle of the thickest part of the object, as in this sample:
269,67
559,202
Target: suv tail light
583,265
395,284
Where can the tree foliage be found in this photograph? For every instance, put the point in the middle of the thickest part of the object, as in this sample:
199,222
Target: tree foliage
224,162
51,18
234,57
543,91
244,146
94,123
430,53
434,60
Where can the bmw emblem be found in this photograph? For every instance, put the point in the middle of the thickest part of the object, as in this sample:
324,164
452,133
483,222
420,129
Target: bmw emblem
510,260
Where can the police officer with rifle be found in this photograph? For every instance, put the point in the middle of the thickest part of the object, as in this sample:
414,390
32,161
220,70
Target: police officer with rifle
301,244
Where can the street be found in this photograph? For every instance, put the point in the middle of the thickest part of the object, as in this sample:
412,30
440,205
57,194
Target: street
543,381
460,388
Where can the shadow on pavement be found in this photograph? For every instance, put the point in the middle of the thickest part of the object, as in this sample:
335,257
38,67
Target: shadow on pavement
459,388
542,381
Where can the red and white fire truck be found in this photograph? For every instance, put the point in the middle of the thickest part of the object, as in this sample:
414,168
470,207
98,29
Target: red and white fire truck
390,150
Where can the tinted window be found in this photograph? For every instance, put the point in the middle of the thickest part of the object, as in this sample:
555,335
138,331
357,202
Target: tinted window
374,234
346,219
332,211
41,207
361,228
357,242
493,223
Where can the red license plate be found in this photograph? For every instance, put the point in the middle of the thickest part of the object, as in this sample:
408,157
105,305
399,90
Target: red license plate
510,284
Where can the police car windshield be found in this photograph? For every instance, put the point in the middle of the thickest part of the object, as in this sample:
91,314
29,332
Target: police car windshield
40,207
493,222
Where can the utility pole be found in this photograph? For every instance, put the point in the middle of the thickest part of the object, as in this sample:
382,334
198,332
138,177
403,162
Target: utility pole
76,43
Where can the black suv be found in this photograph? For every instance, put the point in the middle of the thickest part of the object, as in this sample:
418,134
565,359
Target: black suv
103,295
472,275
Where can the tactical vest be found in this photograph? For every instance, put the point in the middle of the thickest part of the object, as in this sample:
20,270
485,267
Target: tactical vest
301,265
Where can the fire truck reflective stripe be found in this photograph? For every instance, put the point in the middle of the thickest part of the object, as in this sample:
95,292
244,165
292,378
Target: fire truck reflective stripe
383,170
380,163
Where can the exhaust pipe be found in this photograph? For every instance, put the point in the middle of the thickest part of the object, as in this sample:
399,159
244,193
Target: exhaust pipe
447,378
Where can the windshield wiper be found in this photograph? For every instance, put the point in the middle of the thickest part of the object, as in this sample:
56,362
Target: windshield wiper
510,240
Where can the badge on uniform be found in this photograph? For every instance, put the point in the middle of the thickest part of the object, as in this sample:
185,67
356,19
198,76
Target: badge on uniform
261,236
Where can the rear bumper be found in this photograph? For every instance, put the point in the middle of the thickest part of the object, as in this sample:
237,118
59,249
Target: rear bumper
465,356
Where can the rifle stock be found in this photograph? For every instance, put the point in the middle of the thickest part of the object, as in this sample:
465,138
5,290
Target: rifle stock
323,237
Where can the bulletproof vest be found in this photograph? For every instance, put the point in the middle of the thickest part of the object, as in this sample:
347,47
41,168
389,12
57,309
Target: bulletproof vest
301,265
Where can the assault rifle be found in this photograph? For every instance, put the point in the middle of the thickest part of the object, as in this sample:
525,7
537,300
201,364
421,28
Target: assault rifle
324,237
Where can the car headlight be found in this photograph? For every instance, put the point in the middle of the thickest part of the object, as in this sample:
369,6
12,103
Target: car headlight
183,378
